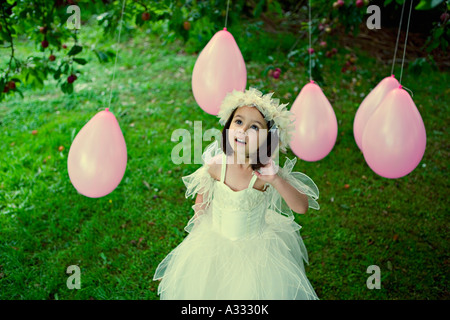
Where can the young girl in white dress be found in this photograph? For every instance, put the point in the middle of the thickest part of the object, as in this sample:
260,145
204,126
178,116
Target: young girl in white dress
243,242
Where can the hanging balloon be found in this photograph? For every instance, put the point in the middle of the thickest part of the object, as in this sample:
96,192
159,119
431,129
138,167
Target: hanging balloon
98,156
315,124
219,69
370,104
394,137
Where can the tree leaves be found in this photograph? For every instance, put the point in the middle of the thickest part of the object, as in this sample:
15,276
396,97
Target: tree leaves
427,4
423,4
80,61
75,50
104,56
67,87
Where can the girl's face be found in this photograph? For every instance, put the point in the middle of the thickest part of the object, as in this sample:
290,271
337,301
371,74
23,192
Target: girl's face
248,130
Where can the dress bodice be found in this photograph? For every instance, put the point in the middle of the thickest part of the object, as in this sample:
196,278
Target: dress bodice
238,214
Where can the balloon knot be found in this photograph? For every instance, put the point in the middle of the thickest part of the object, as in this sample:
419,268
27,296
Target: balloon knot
225,29
400,86
107,109
311,81
393,76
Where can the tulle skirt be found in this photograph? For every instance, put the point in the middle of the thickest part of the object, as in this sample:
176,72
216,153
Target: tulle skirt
208,266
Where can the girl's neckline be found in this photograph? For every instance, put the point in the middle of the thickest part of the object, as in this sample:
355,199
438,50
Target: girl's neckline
237,191
223,174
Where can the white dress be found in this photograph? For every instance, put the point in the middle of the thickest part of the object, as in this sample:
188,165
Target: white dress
244,246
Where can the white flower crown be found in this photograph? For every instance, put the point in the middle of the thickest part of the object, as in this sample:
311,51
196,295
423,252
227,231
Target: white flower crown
270,108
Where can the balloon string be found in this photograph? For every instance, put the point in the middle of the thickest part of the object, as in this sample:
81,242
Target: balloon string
398,37
309,50
226,17
117,52
403,87
406,40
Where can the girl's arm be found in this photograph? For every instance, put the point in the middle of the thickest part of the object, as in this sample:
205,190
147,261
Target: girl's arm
199,208
212,170
296,200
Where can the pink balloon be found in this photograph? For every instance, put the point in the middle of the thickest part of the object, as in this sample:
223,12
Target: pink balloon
219,69
98,156
370,104
394,138
315,124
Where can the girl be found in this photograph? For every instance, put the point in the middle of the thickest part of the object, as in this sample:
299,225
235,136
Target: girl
243,242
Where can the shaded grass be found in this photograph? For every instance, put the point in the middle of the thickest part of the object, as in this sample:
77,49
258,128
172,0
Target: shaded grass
400,225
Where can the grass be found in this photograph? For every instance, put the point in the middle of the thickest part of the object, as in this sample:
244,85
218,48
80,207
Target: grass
401,225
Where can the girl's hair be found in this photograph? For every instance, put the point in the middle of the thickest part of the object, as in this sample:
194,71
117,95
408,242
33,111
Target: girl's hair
266,148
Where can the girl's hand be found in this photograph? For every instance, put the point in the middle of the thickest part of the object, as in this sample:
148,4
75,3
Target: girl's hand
268,173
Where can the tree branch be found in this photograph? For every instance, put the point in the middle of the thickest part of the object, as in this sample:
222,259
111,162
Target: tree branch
11,41
142,4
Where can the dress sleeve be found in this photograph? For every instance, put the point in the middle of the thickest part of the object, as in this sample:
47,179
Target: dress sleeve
299,181
201,182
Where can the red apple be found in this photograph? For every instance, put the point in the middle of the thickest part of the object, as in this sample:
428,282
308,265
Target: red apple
338,4
146,16
71,78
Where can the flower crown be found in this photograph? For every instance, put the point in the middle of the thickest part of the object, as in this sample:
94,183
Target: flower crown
270,108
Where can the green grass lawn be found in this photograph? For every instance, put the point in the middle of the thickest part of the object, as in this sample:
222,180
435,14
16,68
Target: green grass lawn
400,225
